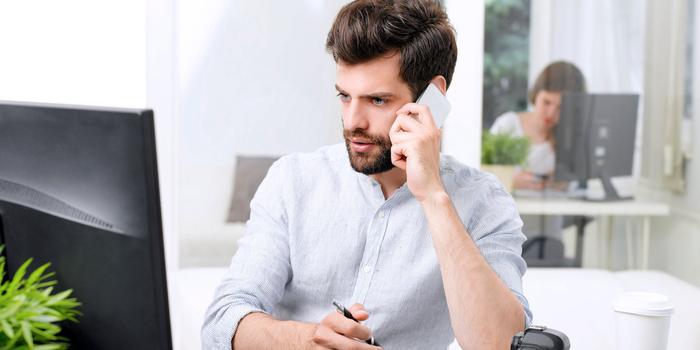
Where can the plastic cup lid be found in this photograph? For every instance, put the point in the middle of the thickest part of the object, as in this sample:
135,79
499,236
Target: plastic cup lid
644,303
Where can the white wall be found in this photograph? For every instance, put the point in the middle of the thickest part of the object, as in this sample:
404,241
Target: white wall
462,131
90,52
73,51
160,96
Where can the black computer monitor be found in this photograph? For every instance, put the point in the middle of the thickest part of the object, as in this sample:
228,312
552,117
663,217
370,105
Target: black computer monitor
595,138
79,189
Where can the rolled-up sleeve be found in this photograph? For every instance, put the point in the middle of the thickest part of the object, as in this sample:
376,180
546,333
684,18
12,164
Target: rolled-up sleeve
496,228
259,270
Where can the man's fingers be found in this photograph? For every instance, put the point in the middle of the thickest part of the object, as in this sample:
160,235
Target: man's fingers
327,338
404,122
398,158
401,137
347,327
338,332
358,312
421,112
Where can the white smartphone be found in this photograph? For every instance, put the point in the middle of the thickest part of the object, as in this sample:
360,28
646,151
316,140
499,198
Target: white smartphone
437,103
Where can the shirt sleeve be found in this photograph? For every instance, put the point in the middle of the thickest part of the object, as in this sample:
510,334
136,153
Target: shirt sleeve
259,270
496,228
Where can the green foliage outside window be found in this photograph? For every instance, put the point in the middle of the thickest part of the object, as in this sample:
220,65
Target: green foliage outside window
506,57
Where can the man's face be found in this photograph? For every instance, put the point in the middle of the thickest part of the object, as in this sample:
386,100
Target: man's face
370,93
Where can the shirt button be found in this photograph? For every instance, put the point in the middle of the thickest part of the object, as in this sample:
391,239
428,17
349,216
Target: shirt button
381,214
367,269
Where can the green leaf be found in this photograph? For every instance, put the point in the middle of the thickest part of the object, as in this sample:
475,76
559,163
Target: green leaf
17,278
46,318
10,310
43,335
59,297
27,334
34,277
46,292
503,149
7,329
29,313
49,347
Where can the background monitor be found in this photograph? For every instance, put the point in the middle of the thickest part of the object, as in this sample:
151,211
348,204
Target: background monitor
595,138
79,189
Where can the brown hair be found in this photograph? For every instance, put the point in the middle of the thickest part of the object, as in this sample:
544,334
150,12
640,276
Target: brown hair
560,76
418,29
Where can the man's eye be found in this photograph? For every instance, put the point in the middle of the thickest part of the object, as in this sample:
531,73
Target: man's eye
343,97
377,101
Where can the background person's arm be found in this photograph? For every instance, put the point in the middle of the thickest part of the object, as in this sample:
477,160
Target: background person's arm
525,180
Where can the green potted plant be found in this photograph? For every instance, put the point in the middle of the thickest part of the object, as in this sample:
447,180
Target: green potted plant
501,153
29,312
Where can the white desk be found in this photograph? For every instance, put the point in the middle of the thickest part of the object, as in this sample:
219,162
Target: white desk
640,208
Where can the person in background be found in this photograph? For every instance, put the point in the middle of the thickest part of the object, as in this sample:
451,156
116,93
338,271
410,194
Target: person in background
538,173
538,124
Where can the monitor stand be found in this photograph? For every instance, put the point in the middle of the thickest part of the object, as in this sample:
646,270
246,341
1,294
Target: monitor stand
610,193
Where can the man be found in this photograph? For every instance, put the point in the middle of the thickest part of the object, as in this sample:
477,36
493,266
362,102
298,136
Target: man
425,248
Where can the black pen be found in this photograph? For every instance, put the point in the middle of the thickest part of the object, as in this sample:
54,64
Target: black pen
345,312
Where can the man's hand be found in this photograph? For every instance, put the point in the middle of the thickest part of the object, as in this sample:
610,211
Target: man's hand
338,332
416,149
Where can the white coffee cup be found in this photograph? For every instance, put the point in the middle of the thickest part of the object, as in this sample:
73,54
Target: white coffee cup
642,320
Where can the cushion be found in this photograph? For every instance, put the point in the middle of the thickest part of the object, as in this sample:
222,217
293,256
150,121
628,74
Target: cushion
250,171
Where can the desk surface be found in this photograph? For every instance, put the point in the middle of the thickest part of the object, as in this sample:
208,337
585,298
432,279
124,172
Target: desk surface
563,206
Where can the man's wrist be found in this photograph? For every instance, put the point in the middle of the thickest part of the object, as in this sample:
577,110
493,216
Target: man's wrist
298,334
258,328
436,198
307,331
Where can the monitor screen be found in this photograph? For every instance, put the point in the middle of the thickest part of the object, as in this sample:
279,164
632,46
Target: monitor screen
79,189
595,136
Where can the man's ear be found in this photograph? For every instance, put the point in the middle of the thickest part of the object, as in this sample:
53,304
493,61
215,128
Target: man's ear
441,83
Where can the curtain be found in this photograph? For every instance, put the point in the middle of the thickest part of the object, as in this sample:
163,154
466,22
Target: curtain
664,94
604,38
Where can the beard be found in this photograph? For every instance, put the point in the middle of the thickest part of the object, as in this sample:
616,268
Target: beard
377,160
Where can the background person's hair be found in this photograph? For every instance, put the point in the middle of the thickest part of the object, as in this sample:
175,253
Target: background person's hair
559,76
418,30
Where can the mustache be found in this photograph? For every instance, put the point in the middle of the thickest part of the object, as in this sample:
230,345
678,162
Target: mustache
376,139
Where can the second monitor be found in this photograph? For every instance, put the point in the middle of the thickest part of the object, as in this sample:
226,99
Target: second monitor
595,138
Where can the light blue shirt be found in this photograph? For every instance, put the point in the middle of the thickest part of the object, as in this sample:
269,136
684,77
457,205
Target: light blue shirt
319,231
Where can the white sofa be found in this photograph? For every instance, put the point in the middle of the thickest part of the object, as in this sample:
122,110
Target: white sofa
575,301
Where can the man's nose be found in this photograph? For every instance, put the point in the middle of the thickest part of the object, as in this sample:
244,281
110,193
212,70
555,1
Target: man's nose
356,117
